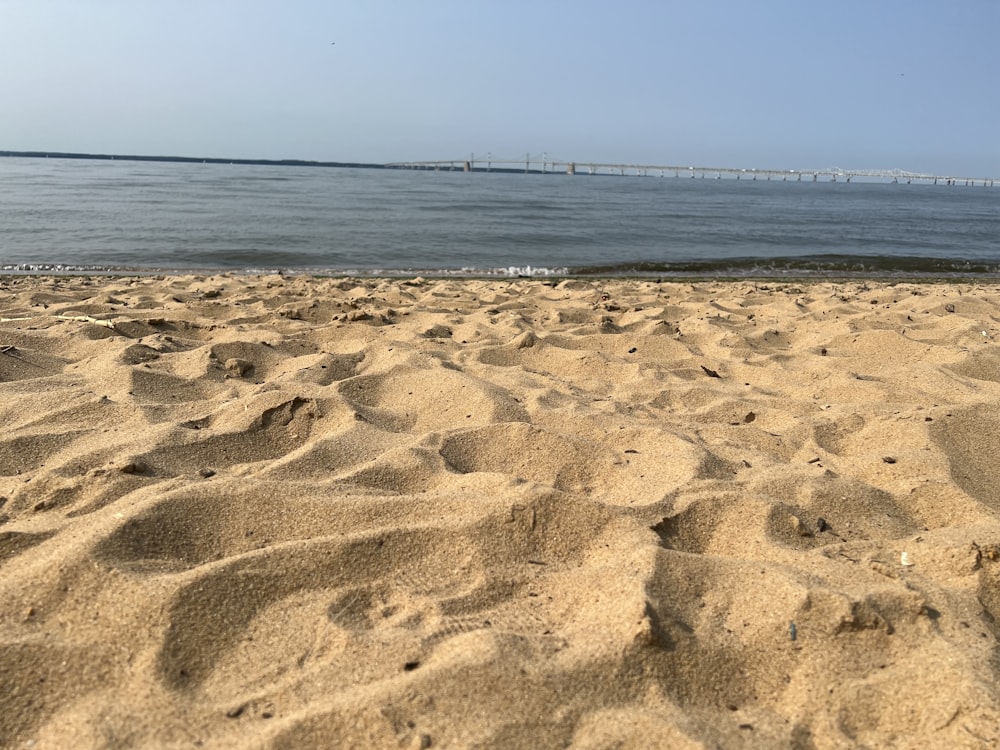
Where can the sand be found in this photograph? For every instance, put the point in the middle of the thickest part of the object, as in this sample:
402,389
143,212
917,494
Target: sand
285,512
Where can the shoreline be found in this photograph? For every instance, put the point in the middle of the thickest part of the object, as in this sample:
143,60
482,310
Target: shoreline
887,278
285,511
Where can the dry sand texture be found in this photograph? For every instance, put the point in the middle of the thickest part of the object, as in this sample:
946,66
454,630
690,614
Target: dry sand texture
289,513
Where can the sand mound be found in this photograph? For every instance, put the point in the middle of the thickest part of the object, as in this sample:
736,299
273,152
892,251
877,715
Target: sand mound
289,512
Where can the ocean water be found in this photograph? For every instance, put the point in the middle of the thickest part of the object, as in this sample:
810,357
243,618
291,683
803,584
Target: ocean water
68,215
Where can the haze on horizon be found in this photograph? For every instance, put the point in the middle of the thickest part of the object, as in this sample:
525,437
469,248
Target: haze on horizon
776,84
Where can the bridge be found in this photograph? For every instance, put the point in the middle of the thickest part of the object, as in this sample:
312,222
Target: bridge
556,166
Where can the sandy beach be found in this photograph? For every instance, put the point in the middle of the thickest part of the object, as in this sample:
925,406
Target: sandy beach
288,512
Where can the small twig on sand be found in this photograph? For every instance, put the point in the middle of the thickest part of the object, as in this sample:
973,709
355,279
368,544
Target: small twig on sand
87,319
76,318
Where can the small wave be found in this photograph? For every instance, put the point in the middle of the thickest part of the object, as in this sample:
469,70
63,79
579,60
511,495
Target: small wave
527,271
68,268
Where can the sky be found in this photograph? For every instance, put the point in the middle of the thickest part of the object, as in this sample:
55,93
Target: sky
770,84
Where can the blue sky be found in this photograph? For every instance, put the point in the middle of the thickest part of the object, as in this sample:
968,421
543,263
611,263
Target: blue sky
911,84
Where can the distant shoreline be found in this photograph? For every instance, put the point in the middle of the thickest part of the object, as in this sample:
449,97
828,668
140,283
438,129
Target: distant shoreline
592,169
189,159
242,162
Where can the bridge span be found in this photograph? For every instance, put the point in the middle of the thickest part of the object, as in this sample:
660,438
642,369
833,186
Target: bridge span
831,174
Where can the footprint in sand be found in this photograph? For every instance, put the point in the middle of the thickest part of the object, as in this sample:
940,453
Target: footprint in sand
422,400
